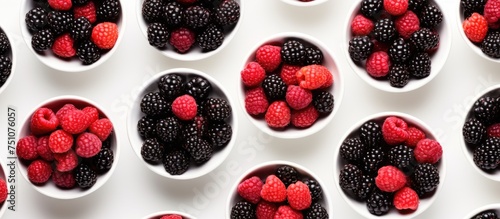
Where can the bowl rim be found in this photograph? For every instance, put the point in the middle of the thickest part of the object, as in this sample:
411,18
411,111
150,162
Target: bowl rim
60,63
161,213
326,193
493,206
4,173
116,152
304,4
406,117
215,83
444,43
13,51
185,56
339,81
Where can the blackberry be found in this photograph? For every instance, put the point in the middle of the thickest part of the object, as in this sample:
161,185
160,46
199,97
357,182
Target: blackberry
79,2
211,38
287,174
323,102
314,188
471,6
158,35
370,134
199,88
352,150
360,47
431,16
152,150
173,14
60,22
486,109
88,52
199,149
378,203
36,19
313,56
42,40
373,160
196,17
243,210
85,177
109,10
217,109
274,87
399,75
4,43
103,161
366,186
419,65
197,127
399,51
424,39
370,8
155,105
416,5
176,162
425,178
5,68
350,177
474,131
487,155
491,44
219,134
316,211
293,52
384,30
81,29
171,86
228,13
152,10
489,214
168,129
402,157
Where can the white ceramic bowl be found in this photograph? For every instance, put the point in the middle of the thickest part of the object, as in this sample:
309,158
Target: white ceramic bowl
50,189
195,53
360,206
74,64
13,57
329,61
304,4
438,59
493,207
135,115
468,151
3,206
158,215
265,169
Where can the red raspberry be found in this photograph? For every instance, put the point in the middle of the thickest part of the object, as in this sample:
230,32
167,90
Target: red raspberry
182,39
43,149
87,11
299,196
3,190
63,110
286,212
87,145
329,81
407,24
63,46
312,76
428,151
269,57
256,101
394,130
39,171
75,121
278,115
414,136
390,179
64,180
266,210
361,26
492,13
305,117
105,35
273,190
475,28
66,161
406,198
172,216
378,64
253,74
396,7
297,97
289,74
494,130
250,189
60,141
92,113
60,5
184,107
43,121
26,148
102,128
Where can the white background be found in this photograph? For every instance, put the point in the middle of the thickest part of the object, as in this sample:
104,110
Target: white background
134,191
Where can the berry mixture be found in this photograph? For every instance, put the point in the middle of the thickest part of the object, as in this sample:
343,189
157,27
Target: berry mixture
70,145
180,25
287,85
481,25
394,40
183,123
5,58
83,30
384,168
283,194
